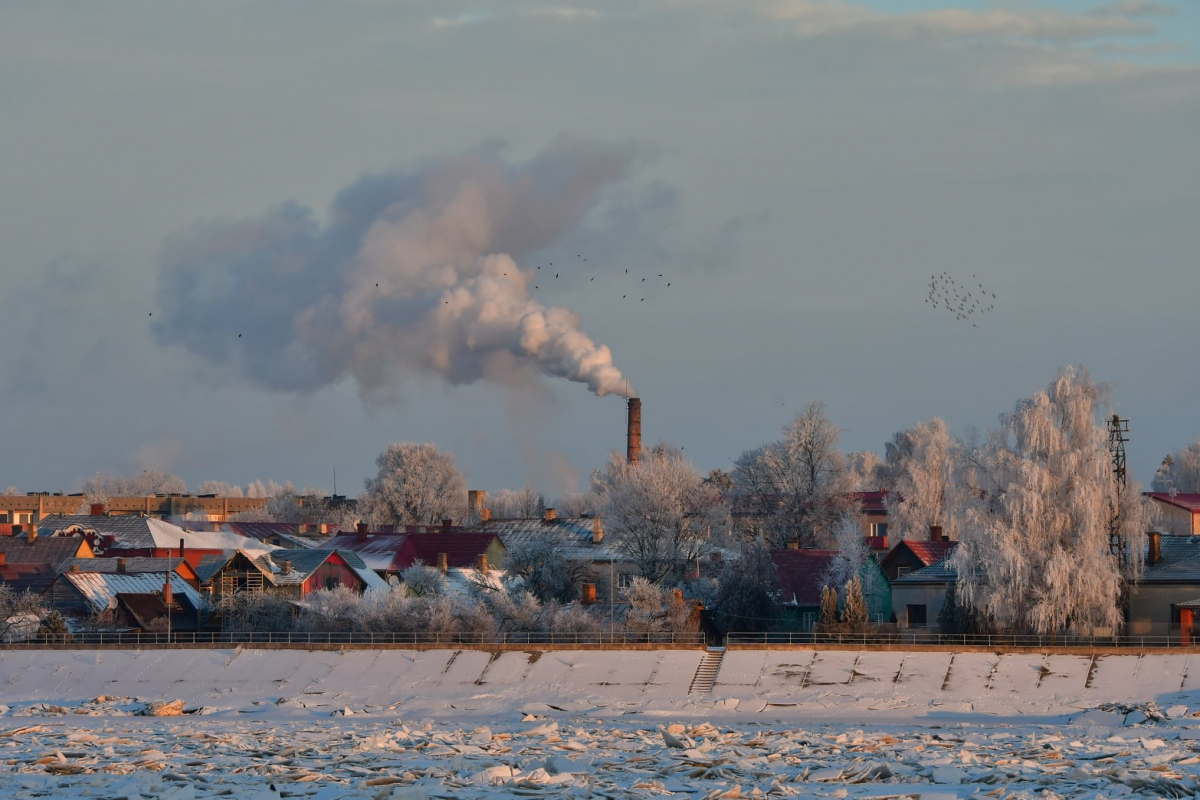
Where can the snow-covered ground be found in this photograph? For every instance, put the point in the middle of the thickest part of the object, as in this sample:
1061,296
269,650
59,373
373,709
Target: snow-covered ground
466,723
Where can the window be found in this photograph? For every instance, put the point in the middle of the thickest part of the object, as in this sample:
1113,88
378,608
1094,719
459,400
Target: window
900,571
916,616
879,529
624,580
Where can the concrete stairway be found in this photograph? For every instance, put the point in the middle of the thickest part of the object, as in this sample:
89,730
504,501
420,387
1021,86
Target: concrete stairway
706,673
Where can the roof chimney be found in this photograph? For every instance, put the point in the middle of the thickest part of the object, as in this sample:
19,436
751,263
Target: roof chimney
935,533
633,431
97,509
168,596
588,594
442,563
120,565
476,500
485,515
214,525
447,523
324,528
793,544
286,569
549,515
180,548
361,531
482,563
597,530
74,568
1155,547
3,559
31,533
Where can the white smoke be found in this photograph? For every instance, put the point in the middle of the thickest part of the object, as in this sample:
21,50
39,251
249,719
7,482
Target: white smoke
414,272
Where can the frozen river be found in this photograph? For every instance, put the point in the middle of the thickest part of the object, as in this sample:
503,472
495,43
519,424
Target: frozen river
384,724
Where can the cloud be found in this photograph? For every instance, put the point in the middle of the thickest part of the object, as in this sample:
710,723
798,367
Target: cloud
812,18
415,273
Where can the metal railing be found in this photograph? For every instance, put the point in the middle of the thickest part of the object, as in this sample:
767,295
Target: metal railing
927,638
357,638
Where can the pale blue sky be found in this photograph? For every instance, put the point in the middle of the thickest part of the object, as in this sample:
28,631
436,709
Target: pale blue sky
854,147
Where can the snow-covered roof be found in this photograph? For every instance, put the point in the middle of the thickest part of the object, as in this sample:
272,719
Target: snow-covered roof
1189,501
99,587
146,533
1179,561
574,534
939,572
304,563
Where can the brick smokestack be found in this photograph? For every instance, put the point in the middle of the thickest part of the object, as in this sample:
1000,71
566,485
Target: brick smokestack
633,431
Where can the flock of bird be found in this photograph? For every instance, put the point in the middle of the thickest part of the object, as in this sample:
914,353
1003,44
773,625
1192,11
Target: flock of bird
559,271
945,293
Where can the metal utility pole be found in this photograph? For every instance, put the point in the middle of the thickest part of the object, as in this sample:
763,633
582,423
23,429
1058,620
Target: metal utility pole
1117,437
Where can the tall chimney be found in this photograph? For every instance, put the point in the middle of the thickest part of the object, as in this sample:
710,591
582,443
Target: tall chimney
633,428
597,530
1155,547
935,533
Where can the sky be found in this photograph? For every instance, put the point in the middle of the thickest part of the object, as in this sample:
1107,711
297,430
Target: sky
174,174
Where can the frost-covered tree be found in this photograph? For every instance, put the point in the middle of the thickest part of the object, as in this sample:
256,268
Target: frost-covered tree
527,503
748,594
863,467
101,486
11,491
541,565
576,504
417,484
660,512
421,580
799,486
1034,552
855,617
1180,470
851,553
20,614
654,608
920,472
309,505
828,619
221,489
245,612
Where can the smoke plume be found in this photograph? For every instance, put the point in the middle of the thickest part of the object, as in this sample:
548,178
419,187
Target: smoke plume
411,273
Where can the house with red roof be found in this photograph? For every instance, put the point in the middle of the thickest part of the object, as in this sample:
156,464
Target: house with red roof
911,555
1179,512
803,574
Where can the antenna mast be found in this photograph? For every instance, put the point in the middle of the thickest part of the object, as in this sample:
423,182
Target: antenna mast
1117,430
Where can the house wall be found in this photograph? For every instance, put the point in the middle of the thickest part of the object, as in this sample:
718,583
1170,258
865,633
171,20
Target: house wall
497,553
930,595
1176,520
901,557
333,572
1150,606
877,591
